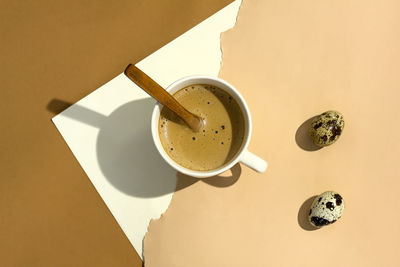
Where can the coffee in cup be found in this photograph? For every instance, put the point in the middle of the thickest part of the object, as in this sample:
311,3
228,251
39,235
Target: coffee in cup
209,157
220,138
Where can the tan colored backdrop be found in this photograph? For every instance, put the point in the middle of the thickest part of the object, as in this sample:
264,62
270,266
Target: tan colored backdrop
293,60
50,214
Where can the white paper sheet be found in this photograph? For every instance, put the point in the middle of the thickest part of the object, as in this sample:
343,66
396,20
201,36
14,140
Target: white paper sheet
108,131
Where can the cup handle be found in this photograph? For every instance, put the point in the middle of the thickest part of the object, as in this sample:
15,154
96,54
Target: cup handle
254,162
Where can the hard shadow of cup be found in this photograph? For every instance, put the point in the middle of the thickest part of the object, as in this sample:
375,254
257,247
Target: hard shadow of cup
225,179
126,153
124,147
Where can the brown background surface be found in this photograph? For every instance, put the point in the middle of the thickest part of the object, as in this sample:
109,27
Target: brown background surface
50,214
293,60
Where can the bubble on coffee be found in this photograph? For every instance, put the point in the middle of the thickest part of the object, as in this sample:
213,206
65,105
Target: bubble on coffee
215,144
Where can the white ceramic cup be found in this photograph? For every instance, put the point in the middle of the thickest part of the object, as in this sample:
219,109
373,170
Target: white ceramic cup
243,155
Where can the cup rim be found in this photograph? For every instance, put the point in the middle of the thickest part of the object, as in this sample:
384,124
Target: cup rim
246,114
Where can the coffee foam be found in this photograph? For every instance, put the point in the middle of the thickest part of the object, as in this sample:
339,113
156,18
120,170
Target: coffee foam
217,142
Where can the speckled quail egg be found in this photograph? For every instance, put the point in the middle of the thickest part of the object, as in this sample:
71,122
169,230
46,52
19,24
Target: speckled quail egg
326,209
326,128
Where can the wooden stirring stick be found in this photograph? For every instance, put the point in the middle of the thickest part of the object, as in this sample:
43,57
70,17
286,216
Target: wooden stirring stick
162,96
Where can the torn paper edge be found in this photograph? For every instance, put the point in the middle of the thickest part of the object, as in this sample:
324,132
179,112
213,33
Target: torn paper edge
222,34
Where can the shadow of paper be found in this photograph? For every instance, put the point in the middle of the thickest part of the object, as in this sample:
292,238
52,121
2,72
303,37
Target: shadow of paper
303,139
302,216
126,153
57,106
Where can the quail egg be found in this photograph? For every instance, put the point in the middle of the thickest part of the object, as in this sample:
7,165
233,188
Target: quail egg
326,128
326,209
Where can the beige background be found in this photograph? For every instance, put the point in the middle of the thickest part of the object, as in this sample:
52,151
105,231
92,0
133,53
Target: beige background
293,60
50,214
